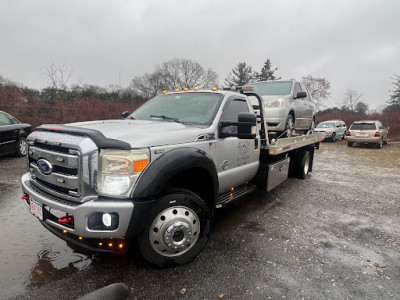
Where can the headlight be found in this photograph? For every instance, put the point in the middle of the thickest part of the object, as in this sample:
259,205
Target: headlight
274,103
119,169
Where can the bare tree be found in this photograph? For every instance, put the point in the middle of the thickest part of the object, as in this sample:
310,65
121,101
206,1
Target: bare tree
351,98
58,75
175,73
147,85
318,88
185,73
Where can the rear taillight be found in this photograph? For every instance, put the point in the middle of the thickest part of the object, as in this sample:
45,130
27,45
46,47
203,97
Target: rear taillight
377,134
348,133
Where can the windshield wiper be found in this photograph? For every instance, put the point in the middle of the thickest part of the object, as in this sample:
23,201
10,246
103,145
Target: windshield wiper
165,118
130,117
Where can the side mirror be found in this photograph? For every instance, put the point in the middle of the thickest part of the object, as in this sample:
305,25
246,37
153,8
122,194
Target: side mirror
301,95
244,128
247,123
125,114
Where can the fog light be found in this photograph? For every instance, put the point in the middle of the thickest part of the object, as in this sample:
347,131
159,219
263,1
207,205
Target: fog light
107,219
103,221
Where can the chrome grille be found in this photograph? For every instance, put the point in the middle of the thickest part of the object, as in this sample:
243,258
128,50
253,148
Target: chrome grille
73,161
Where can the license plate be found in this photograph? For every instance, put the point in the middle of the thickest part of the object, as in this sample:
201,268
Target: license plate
36,209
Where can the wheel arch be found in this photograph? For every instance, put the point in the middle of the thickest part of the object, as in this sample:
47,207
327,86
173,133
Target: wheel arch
188,168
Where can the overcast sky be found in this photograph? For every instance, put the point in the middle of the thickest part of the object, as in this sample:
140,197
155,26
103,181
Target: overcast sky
352,43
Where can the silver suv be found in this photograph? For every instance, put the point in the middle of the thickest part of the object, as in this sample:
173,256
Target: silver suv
333,129
288,105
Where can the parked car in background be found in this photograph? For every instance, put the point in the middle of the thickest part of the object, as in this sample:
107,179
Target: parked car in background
288,105
333,129
367,132
12,135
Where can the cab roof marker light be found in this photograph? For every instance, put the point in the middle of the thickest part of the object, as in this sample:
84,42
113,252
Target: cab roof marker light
176,90
196,88
214,88
185,89
164,92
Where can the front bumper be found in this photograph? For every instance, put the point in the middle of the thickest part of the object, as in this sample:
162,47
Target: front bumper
80,212
276,118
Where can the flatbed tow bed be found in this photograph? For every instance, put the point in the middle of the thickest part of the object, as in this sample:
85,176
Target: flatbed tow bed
287,144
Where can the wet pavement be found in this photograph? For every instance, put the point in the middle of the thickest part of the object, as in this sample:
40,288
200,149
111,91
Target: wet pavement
334,235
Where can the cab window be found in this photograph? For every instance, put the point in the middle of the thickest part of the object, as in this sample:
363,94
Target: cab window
232,110
231,114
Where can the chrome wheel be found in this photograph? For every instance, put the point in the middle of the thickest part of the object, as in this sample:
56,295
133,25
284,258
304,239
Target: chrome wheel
22,146
174,231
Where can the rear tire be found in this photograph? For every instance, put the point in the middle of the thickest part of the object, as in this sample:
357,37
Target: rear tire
380,144
349,144
176,230
304,164
21,147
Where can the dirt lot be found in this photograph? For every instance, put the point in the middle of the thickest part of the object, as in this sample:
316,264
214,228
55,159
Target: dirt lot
334,235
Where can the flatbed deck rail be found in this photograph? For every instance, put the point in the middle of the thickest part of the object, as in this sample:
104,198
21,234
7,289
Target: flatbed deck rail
287,144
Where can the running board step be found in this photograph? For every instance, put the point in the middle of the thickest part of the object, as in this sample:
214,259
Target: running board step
234,193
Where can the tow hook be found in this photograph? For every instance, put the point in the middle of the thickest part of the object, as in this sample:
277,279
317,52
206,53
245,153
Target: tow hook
66,219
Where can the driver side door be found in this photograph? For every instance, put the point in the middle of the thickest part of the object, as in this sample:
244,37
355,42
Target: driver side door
237,159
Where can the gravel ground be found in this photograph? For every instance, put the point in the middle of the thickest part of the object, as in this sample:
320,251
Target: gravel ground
334,235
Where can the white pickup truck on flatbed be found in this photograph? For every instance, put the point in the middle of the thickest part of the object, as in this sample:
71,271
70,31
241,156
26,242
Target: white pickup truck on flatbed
159,174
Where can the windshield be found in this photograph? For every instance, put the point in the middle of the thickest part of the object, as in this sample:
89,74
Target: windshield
363,126
193,108
326,125
272,88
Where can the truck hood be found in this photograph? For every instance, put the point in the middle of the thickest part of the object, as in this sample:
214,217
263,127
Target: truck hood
140,133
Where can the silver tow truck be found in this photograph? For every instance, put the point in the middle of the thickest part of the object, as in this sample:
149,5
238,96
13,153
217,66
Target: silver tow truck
159,174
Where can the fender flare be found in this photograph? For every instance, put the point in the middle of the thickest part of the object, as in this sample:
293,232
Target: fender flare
155,177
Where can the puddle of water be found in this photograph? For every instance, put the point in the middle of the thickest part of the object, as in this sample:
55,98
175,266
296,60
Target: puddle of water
29,255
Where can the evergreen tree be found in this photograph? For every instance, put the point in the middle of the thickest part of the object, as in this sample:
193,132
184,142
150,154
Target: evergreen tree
240,75
395,97
267,73
361,108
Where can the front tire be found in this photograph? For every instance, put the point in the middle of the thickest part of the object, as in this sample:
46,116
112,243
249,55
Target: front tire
333,137
177,229
289,126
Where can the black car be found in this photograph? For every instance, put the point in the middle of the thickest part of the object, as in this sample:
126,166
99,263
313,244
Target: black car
12,135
